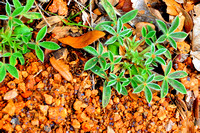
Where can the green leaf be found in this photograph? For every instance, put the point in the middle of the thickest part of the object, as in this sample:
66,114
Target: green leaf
158,78
124,91
119,25
111,82
138,89
148,61
167,53
160,51
153,48
120,40
17,11
117,60
91,50
106,95
10,23
91,63
118,87
126,82
100,48
150,34
98,71
41,34
28,5
121,74
177,74
153,86
123,80
2,73
99,26
178,35
17,3
148,94
178,86
160,60
109,29
8,9
6,54
150,78
172,42
138,78
31,45
125,32
144,31
129,16
17,21
168,68
162,26
113,75
164,89
102,62
32,15
3,17
174,25
39,53
109,9
49,45
111,40
161,39
105,55
110,56
12,70
13,60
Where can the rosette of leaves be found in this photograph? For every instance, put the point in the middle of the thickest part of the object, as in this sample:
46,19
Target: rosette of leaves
170,78
16,36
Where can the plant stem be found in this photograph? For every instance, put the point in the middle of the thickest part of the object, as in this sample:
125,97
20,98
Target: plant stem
135,47
3,53
146,50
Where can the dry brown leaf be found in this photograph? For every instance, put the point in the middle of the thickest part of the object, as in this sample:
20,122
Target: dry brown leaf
61,31
10,94
62,68
127,6
51,20
59,6
84,40
183,47
171,7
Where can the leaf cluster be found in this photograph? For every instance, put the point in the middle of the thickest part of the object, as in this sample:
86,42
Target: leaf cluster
16,37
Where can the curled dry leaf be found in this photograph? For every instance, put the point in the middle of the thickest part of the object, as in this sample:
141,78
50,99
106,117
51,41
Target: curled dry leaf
51,20
84,40
62,68
59,6
10,94
171,7
61,31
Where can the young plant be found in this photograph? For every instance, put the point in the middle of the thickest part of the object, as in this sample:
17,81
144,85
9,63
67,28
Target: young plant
15,38
138,65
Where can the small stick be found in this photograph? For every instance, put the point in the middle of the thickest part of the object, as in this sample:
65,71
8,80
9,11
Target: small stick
42,14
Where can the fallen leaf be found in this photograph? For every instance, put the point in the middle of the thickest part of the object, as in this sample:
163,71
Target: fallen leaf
84,40
196,59
171,7
59,6
51,20
62,31
10,94
62,68
183,47
127,6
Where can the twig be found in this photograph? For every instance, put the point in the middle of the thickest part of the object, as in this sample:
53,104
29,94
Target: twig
42,14
37,73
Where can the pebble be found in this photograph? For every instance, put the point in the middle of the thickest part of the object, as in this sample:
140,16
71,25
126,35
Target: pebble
10,94
48,98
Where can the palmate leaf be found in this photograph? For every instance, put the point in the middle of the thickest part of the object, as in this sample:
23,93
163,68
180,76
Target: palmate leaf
150,34
125,32
49,45
111,40
2,72
117,60
109,10
91,63
158,78
102,62
32,15
109,29
178,35
129,16
119,25
164,89
100,46
150,78
106,95
160,51
41,34
174,25
148,94
177,85
8,9
167,53
12,70
161,39
98,71
118,87
168,68
144,31
138,89
177,75
39,53
172,42
91,50
124,91
17,11
28,5
111,82
3,17
153,86
17,3
99,26
162,26
160,60
120,40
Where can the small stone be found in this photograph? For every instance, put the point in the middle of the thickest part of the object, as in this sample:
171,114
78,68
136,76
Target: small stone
161,113
76,123
117,117
40,85
21,86
30,82
44,109
11,84
88,93
45,74
18,128
79,104
48,98
24,74
35,122
57,114
10,94
57,77
15,121
116,100
10,108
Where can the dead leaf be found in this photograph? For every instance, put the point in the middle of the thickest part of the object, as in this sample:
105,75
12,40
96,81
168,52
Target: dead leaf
61,54
196,59
51,20
171,7
127,6
59,6
62,31
62,68
84,40
183,47
10,94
